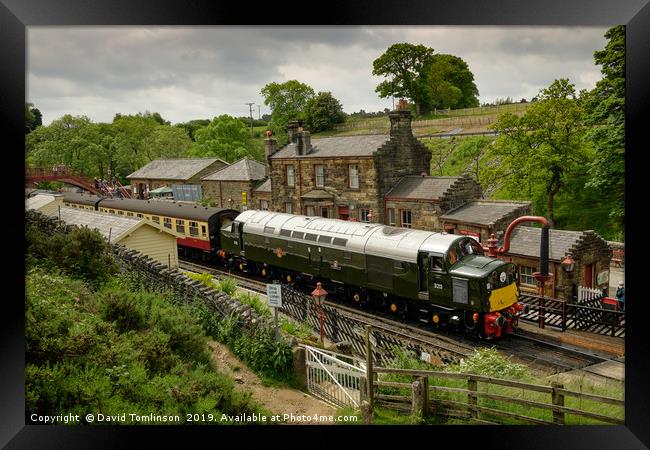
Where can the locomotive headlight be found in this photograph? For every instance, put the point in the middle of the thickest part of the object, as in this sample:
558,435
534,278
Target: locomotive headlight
489,286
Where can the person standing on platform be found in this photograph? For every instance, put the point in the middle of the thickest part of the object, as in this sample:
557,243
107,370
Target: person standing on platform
620,295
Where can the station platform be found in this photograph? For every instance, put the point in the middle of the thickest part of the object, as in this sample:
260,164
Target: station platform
613,346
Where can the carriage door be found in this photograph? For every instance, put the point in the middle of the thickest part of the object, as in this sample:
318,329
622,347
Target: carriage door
240,230
423,274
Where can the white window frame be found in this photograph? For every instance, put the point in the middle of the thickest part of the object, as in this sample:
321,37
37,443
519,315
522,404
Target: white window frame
403,223
291,175
353,175
319,178
527,278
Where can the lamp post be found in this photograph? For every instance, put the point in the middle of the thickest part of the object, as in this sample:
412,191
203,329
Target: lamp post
319,295
568,264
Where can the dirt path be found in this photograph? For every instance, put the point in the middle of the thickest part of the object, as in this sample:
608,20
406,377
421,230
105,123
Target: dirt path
278,400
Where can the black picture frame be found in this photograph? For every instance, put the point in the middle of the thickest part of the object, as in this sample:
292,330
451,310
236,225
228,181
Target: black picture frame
16,15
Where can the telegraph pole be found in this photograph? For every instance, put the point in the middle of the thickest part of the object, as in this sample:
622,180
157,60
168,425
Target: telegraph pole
250,108
258,112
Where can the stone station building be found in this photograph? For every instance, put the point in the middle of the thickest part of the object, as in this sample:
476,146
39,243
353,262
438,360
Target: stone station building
232,186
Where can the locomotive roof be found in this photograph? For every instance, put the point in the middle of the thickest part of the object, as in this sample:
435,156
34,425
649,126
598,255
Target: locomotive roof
375,239
161,208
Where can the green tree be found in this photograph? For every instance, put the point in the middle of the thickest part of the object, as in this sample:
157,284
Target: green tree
322,112
287,102
544,147
449,83
192,126
33,118
606,107
226,137
404,65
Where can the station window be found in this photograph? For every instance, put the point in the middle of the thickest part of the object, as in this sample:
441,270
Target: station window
353,177
180,226
392,217
363,214
320,175
526,275
291,176
406,218
194,228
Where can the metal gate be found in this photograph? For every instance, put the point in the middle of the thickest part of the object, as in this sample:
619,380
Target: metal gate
334,377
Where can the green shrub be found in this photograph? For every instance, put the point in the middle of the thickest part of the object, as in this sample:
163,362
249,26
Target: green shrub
254,301
204,278
228,285
123,308
488,362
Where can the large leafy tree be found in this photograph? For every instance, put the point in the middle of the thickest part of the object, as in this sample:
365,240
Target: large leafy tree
404,65
543,148
287,102
449,83
33,118
606,107
226,137
322,112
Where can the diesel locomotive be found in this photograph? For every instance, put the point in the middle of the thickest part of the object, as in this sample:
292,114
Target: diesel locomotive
438,278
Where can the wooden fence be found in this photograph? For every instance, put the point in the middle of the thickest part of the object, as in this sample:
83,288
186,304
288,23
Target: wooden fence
592,315
479,400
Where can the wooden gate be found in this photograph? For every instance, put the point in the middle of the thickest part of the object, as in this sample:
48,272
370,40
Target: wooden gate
334,377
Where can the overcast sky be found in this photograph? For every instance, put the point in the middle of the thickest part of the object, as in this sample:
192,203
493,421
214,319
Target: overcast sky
189,73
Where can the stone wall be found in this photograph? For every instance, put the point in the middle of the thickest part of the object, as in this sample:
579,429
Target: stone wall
336,184
462,191
424,215
220,191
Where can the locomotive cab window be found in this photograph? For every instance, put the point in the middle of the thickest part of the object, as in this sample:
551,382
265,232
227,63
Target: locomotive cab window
436,263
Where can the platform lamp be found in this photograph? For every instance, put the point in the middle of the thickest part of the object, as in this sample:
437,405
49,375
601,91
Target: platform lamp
568,264
319,295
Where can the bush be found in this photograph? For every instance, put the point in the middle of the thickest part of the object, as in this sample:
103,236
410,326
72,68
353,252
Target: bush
82,253
228,285
488,362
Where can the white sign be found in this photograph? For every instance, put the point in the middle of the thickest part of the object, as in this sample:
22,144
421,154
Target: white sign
274,293
424,356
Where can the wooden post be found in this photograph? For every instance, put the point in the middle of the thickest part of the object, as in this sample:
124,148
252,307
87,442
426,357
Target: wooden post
369,374
558,400
472,399
420,397
366,412
564,315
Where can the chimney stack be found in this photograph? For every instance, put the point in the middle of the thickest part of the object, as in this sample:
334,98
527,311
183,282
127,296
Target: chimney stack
303,142
292,129
270,147
400,119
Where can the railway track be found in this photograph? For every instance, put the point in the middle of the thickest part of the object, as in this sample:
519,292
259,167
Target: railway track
539,355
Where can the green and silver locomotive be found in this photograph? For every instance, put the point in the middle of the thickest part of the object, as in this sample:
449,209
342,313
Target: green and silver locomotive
439,278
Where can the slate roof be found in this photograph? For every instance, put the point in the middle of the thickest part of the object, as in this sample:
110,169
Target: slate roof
483,212
117,227
245,169
525,241
264,187
173,169
423,188
336,147
38,201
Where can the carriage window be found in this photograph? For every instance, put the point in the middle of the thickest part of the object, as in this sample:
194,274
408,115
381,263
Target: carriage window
194,228
155,219
140,215
203,230
112,211
284,232
130,214
298,234
325,239
311,237
167,222
120,213
180,226
340,241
